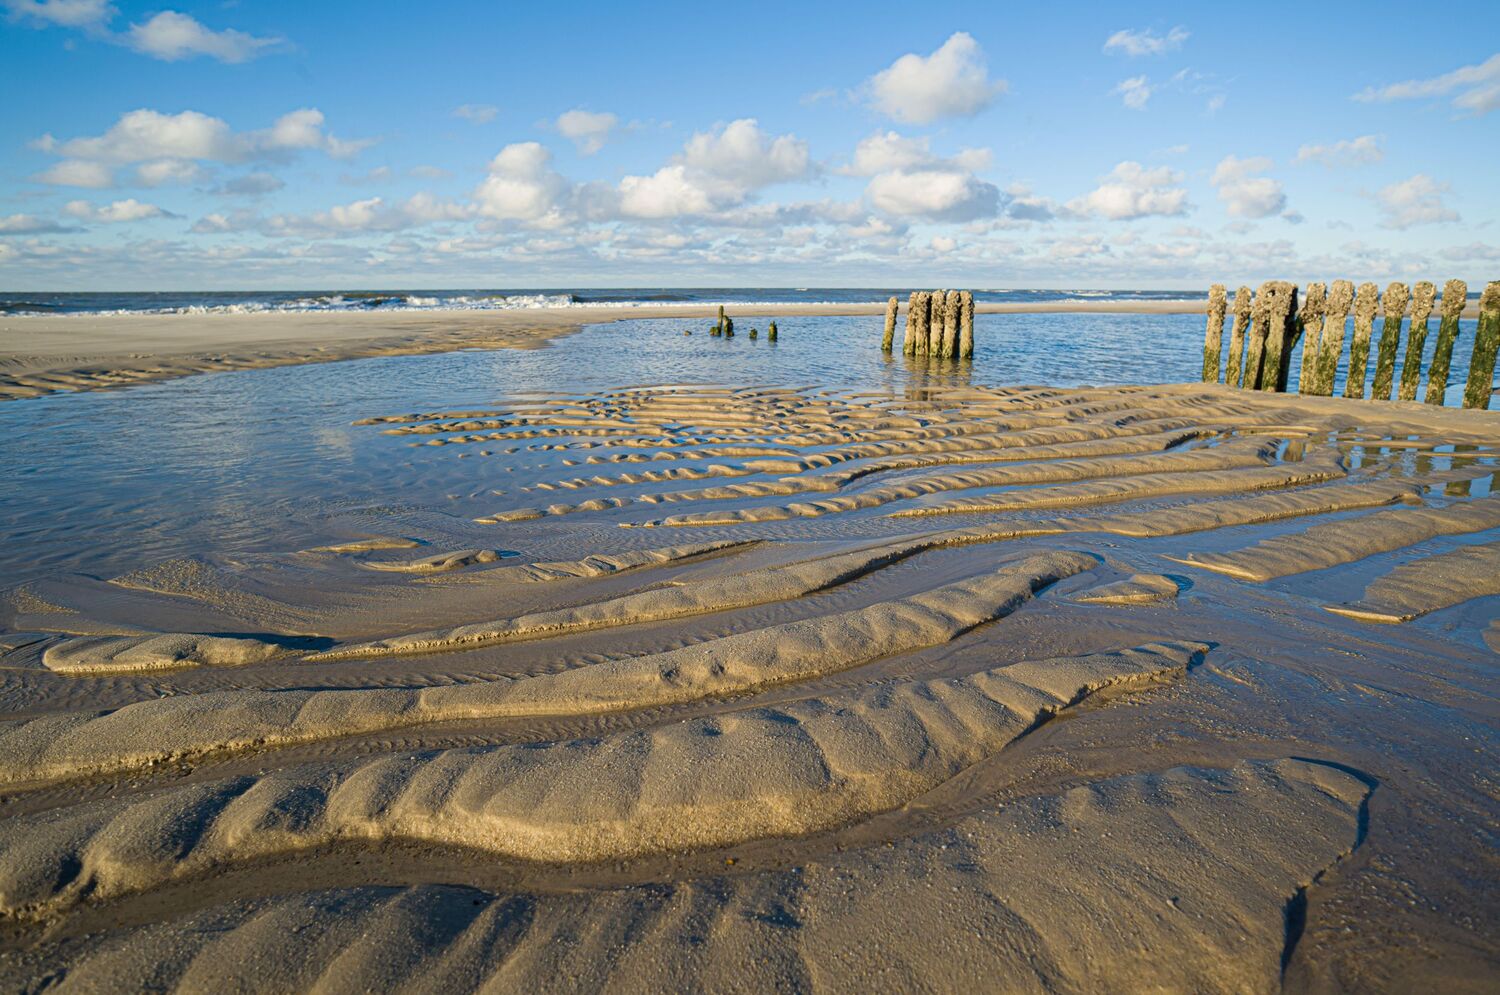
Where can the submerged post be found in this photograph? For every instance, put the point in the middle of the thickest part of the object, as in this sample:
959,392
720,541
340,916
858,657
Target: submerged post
966,325
1234,371
771,335
921,303
909,343
890,324
1331,342
1365,304
1486,344
1455,295
1393,306
950,324
1255,345
1280,307
1311,323
1213,336
1416,338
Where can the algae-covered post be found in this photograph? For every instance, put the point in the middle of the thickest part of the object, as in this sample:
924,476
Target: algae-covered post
1255,343
1365,304
729,328
950,324
1234,371
1455,294
1311,323
921,303
935,322
966,325
909,342
1422,299
889,338
1393,306
1331,343
1213,337
1280,315
771,334
1486,344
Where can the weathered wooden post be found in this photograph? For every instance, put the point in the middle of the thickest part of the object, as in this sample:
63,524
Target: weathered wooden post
1422,297
890,325
1311,323
771,335
1234,371
1486,345
1280,306
1393,306
966,325
950,324
1455,295
1331,342
909,343
1213,336
1365,304
1255,345
935,322
729,328
921,303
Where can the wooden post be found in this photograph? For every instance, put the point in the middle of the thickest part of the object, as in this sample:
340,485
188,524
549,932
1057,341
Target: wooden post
935,322
1393,306
966,325
1455,295
909,344
729,328
1234,371
1486,344
1416,338
950,324
771,335
1255,345
1281,304
1365,304
890,325
1331,342
1213,336
1311,323
921,302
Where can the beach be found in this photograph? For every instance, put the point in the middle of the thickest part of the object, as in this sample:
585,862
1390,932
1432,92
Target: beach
580,683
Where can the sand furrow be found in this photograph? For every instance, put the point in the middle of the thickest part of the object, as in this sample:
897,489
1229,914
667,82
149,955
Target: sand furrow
1331,544
1203,516
184,726
1428,584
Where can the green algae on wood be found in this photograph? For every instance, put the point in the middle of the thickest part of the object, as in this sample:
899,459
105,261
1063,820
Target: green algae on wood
1213,336
1455,294
1234,372
1393,306
1366,302
1310,321
1486,344
888,340
1255,342
1331,342
966,325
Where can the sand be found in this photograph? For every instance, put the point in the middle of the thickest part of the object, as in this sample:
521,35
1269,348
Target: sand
1133,689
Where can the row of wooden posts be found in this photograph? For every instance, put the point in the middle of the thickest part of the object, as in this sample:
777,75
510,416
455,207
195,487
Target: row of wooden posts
1267,326
938,323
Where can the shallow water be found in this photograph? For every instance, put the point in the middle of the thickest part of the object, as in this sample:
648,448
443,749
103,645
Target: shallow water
103,483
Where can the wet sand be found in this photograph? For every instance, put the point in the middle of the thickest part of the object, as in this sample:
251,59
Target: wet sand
760,687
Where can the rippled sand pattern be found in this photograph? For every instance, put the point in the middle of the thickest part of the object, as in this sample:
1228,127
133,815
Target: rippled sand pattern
781,688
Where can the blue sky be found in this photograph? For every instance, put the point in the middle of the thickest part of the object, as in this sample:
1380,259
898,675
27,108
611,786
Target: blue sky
330,145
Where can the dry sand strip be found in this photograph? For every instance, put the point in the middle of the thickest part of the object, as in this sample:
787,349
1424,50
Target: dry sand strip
1200,862
1428,584
703,783
184,726
1332,544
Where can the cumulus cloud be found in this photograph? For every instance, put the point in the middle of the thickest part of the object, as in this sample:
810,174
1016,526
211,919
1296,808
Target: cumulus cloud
1132,191
1134,92
372,214
1361,151
477,113
715,170
1245,194
29,224
521,185
933,194
1417,200
951,82
64,13
114,213
171,36
586,129
1145,42
167,144
1477,88
161,172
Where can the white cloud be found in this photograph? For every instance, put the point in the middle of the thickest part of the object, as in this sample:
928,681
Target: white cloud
1145,42
66,13
521,185
1417,200
28,224
160,172
1478,88
1359,151
585,129
1132,191
77,173
171,36
951,82
667,193
933,194
716,169
1134,92
1246,195
477,113
250,185
1215,104
119,211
